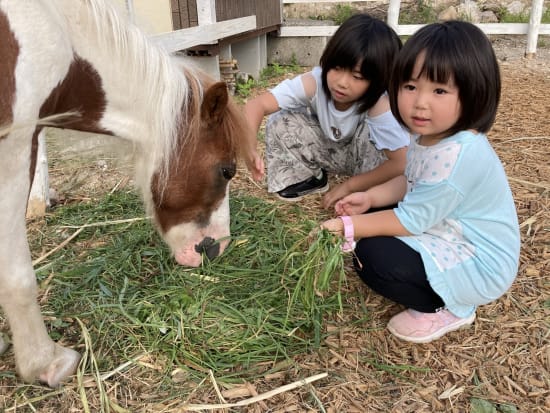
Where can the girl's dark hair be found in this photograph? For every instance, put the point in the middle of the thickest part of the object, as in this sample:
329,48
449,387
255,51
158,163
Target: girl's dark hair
457,50
366,40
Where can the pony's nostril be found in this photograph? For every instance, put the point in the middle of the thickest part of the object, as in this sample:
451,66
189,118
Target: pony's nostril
209,246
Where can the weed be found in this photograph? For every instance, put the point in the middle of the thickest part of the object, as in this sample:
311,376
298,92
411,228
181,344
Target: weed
504,16
243,89
342,13
420,12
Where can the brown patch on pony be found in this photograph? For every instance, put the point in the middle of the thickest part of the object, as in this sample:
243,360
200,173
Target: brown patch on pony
9,51
208,153
80,91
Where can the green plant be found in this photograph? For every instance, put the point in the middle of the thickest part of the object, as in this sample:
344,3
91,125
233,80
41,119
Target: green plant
244,88
506,17
418,13
294,66
272,70
342,13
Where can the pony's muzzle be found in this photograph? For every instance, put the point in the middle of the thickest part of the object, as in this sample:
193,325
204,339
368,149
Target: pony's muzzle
208,246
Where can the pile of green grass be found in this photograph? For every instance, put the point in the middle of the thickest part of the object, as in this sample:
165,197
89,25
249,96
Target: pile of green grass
261,302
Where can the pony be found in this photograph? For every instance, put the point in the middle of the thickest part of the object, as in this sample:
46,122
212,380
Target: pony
81,65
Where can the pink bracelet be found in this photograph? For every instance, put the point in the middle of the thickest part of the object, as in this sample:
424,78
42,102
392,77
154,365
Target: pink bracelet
349,243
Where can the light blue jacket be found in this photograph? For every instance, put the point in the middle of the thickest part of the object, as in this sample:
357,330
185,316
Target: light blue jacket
460,209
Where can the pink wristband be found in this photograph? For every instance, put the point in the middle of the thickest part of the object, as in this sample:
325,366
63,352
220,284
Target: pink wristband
349,242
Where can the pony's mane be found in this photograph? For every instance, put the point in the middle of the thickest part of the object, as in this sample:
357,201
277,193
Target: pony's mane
168,89
151,69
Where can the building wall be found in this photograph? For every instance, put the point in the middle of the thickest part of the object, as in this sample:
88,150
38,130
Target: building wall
152,16
267,12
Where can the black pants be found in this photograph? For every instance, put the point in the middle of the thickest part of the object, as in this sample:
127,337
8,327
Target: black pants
396,271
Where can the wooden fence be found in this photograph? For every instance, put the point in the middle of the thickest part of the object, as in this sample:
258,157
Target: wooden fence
532,29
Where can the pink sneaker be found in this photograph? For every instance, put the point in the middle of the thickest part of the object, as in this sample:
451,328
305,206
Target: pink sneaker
412,325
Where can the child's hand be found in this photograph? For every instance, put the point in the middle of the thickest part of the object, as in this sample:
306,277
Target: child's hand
334,225
255,164
335,194
353,204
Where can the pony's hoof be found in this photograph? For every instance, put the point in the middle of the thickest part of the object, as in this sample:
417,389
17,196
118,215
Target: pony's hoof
63,365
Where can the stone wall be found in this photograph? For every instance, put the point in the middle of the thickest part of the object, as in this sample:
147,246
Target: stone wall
487,11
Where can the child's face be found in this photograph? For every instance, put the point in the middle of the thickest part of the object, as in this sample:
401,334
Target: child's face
346,86
428,108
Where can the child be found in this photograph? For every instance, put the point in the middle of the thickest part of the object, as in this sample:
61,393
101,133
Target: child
452,243
335,119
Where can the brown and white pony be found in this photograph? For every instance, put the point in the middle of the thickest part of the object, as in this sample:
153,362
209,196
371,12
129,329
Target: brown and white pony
80,57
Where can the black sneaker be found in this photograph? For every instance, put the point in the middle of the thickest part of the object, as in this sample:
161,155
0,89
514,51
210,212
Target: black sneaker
311,185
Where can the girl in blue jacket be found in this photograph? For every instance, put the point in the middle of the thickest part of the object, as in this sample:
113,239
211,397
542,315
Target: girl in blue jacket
452,242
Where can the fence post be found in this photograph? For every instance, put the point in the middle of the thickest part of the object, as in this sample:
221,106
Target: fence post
393,13
534,27
206,14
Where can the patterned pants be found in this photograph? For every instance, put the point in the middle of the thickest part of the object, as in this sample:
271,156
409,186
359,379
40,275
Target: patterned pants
297,149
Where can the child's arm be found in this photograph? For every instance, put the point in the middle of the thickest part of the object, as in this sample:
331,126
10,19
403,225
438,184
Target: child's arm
392,167
255,110
295,92
382,195
375,223
380,223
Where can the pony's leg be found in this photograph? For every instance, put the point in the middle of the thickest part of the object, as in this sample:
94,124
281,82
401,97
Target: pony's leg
36,355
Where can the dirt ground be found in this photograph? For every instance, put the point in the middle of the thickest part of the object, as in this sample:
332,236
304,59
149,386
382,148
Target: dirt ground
504,358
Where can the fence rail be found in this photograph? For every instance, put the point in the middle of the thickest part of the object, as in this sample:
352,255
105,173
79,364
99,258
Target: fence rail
194,36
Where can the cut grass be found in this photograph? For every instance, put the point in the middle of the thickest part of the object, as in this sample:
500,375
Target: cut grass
261,302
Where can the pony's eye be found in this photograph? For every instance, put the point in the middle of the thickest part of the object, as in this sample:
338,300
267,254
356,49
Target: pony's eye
228,172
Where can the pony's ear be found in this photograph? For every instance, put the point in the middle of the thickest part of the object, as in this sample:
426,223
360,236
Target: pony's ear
214,103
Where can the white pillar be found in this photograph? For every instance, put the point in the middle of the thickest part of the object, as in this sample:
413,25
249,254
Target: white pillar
393,14
206,11
534,27
206,14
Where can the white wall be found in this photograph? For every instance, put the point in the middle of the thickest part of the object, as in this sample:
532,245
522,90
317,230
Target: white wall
153,16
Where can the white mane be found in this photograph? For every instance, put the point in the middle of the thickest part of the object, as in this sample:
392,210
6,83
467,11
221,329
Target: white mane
145,85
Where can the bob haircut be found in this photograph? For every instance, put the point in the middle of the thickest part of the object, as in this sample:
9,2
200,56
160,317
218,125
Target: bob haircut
458,51
368,41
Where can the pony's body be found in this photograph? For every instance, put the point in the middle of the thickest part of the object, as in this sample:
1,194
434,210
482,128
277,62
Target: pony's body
59,57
